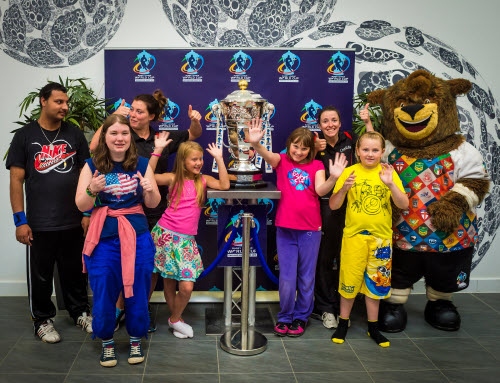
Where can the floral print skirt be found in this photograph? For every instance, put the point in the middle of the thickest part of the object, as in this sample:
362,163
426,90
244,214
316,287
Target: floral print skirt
177,256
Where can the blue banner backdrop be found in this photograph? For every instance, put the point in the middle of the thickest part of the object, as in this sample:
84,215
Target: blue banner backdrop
298,82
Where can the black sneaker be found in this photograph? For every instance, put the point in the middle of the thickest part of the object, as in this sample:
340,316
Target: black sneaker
135,354
108,356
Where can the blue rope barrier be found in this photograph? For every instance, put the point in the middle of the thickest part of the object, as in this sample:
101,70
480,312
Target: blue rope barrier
262,260
221,253
229,242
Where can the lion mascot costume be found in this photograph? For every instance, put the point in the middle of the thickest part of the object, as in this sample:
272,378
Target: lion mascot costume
446,180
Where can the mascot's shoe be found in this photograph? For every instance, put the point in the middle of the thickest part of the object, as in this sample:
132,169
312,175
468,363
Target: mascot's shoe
443,315
392,317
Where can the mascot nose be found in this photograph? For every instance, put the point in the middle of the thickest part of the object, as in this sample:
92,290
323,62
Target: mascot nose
412,109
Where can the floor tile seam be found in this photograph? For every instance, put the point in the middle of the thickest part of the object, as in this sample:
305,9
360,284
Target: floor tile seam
146,358
467,337
217,350
475,295
10,350
404,370
186,341
288,359
357,357
75,359
96,374
37,373
424,354
267,373
475,339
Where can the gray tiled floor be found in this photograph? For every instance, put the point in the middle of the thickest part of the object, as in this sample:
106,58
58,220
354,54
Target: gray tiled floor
419,354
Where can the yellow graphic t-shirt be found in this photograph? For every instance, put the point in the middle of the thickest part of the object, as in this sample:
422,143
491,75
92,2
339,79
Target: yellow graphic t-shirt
368,202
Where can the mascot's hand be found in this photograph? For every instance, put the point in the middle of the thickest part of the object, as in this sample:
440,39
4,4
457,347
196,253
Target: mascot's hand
446,213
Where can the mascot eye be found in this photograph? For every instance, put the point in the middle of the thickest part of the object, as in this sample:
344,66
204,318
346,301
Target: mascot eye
427,101
402,105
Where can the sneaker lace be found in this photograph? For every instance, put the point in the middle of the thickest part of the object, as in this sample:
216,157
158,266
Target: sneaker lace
46,328
135,349
84,321
108,352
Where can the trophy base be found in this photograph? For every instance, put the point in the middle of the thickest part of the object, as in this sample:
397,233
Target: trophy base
246,180
247,185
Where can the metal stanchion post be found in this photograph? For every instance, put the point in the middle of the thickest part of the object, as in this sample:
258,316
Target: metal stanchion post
244,341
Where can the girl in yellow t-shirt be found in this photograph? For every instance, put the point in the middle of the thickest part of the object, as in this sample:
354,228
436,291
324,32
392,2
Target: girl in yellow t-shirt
365,258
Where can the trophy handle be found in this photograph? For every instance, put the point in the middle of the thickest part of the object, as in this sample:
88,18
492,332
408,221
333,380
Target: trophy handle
216,110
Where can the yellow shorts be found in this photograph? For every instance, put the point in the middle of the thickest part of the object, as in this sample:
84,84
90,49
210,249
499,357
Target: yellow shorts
365,266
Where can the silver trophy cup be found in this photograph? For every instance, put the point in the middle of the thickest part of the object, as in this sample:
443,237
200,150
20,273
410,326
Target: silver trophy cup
233,114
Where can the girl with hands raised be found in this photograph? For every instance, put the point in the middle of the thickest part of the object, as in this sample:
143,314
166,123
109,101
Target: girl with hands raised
177,259
301,180
365,265
118,251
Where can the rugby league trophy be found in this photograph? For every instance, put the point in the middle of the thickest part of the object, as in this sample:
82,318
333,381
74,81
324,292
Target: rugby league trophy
233,115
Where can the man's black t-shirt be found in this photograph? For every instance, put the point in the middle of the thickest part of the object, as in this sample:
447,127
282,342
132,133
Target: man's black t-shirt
52,161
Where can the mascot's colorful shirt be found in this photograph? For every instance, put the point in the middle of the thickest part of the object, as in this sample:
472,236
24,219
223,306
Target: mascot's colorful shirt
425,181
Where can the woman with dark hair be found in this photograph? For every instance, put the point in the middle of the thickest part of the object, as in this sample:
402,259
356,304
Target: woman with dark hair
118,251
328,143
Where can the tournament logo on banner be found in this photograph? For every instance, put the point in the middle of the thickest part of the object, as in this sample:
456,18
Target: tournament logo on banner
241,63
290,63
228,216
309,117
170,113
211,210
211,118
193,62
340,63
269,204
143,65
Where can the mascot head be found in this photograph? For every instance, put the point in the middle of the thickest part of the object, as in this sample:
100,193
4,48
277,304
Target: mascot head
420,110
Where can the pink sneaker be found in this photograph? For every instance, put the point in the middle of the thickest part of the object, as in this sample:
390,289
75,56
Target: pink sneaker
297,328
281,328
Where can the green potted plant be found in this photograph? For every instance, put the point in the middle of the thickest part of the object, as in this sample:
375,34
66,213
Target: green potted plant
358,126
86,109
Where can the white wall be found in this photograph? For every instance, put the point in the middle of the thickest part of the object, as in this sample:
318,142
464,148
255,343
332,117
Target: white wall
468,27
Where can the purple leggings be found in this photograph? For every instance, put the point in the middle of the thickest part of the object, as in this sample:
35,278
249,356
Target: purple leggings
297,256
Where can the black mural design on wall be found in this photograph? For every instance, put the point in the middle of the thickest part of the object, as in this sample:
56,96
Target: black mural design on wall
384,54
58,33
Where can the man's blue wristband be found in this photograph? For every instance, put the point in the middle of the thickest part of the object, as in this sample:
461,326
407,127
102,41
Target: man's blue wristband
20,218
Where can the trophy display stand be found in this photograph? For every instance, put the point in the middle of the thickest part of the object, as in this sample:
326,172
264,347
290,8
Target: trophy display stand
240,337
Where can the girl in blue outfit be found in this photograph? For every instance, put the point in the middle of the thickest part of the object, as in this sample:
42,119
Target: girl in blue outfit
119,250
301,179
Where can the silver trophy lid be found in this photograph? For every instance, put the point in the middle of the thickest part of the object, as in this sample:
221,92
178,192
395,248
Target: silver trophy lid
243,95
